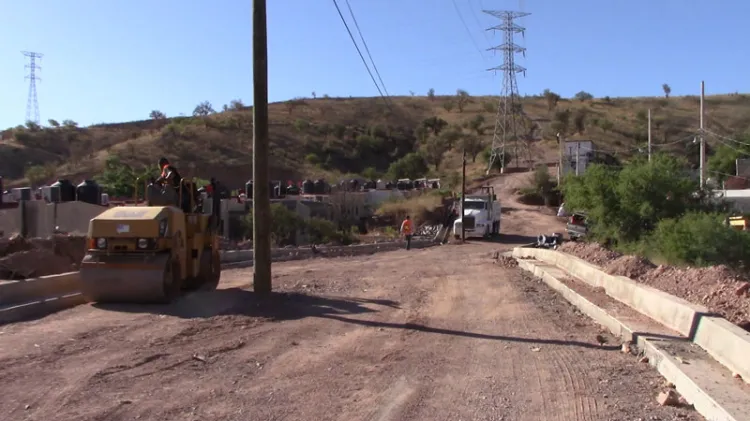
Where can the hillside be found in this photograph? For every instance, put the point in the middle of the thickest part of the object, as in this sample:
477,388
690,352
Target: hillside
328,137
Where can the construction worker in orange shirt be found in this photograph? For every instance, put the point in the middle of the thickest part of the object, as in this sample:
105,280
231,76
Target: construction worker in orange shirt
407,231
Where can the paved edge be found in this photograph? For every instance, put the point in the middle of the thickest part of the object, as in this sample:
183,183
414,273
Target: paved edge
724,341
667,366
38,297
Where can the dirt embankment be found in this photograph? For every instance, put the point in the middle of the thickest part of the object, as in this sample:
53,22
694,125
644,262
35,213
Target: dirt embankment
23,258
719,288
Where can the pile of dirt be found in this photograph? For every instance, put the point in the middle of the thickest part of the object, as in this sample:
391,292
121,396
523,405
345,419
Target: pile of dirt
23,258
721,289
630,266
590,252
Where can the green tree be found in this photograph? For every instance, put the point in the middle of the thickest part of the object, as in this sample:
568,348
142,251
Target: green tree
462,99
561,122
583,96
723,162
411,165
237,105
284,224
39,174
700,239
627,204
435,149
434,124
157,115
203,109
54,123
119,179
472,145
477,124
370,173
431,94
667,90
551,98
69,124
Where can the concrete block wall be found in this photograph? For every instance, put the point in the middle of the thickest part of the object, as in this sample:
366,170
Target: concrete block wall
43,217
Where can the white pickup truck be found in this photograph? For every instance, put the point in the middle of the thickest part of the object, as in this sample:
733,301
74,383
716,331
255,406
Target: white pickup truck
481,215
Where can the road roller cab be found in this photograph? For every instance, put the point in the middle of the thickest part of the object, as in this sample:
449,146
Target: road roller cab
142,254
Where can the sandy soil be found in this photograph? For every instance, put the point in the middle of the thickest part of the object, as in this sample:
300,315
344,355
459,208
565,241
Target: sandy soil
438,334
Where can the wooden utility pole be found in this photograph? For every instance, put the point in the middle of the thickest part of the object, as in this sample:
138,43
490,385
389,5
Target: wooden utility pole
703,142
560,148
463,195
649,135
261,187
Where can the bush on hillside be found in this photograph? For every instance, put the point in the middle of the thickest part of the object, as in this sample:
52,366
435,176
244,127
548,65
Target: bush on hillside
657,208
628,203
700,239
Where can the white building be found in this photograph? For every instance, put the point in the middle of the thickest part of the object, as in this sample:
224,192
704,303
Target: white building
577,154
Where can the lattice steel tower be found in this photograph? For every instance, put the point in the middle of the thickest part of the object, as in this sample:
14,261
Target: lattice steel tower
509,110
32,102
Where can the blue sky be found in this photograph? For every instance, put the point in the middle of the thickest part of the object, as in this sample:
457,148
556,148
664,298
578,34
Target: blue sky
116,60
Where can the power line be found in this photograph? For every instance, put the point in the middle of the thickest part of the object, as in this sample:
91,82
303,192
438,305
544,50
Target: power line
473,41
367,49
32,102
341,15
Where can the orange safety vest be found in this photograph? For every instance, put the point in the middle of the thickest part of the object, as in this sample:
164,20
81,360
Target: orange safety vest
406,226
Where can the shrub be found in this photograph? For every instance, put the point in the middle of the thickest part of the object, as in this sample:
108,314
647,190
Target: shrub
700,239
323,231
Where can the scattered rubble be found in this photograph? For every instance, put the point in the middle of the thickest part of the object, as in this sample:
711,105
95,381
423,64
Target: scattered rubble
506,261
20,257
721,289
668,398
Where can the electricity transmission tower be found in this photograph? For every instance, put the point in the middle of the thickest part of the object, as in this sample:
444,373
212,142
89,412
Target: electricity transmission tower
32,102
509,110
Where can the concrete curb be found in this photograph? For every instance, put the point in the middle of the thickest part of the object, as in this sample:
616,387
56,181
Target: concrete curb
673,312
21,300
714,396
726,342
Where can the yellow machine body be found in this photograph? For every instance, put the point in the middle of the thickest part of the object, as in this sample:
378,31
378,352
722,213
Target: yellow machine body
144,254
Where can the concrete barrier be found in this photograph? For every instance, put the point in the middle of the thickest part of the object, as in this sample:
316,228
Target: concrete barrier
700,381
15,292
726,342
723,340
677,314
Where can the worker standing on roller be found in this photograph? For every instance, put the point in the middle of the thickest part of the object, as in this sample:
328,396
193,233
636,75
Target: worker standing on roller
406,231
169,174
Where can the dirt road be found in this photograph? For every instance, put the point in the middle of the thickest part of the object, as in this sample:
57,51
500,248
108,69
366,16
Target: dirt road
436,334
433,334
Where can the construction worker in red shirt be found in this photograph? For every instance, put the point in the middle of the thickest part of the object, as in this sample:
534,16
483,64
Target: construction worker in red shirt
407,231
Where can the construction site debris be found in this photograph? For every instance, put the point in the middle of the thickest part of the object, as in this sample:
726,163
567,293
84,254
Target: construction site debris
23,258
721,289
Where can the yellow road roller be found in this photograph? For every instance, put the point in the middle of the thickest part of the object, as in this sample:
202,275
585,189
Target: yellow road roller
151,254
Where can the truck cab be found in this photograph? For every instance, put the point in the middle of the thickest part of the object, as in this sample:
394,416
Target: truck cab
481,215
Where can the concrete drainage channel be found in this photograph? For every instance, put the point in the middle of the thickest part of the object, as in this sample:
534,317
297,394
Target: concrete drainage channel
703,355
30,298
